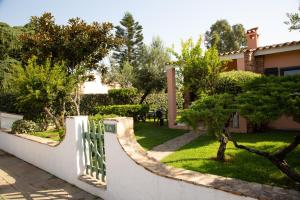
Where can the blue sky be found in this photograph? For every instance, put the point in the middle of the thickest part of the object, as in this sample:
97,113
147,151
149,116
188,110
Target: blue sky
172,20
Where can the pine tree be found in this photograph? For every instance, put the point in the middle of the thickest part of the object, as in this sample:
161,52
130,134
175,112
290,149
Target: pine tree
130,31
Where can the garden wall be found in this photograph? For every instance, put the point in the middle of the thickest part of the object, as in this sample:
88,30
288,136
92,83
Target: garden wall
7,119
131,173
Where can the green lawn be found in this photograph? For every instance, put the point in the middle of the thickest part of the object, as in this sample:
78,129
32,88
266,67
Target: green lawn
53,135
149,134
198,156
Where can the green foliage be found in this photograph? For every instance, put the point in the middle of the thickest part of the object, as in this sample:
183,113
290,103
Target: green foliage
213,110
150,75
123,110
293,21
267,98
78,44
24,127
130,32
90,101
8,103
234,81
99,118
200,69
225,37
160,100
122,96
123,75
39,87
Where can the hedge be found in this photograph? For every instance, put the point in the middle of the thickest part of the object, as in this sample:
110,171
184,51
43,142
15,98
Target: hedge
123,110
232,82
90,101
8,103
122,96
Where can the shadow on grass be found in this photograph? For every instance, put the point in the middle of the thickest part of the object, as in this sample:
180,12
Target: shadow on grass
197,156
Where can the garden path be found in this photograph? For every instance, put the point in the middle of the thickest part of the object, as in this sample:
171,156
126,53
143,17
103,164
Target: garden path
21,180
163,150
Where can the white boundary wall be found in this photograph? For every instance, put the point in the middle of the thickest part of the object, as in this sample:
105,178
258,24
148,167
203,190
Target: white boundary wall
7,119
126,180
64,161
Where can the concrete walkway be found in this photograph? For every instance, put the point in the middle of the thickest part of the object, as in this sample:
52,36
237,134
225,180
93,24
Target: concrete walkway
21,180
161,151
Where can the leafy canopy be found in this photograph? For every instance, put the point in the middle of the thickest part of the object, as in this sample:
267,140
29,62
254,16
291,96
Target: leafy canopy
225,37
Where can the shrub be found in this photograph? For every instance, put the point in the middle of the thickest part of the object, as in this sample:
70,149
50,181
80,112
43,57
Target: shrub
24,127
160,100
122,96
98,117
90,101
8,103
124,110
233,81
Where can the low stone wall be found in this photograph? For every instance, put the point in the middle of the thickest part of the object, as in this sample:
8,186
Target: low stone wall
7,119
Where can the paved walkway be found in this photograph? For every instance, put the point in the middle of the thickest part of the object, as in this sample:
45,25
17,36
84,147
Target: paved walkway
21,180
161,151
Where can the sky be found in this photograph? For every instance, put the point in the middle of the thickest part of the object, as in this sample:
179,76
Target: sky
171,20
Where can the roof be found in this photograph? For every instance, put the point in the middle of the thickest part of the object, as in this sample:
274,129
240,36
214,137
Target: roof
274,46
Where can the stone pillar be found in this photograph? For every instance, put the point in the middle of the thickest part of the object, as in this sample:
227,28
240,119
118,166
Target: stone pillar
171,97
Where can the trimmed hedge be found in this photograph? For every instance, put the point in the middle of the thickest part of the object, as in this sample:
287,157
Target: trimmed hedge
123,110
232,82
122,96
90,101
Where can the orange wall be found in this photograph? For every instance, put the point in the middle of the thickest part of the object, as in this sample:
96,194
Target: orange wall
242,126
284,123
284,59
240,64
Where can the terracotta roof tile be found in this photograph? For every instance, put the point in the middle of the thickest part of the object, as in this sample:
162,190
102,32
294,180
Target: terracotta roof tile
261,48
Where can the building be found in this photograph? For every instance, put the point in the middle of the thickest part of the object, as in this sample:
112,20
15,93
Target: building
278,59
96,86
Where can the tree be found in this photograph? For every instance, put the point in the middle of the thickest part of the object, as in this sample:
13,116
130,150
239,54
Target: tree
213,110
225,37
123,76
80,45
150,75
200,69
293,21
130,31
39,87
261,100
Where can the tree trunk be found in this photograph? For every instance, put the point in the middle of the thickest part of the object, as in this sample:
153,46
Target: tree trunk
144,97
277,158
221,151
55,120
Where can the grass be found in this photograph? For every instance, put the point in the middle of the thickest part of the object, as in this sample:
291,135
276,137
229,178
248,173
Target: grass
53,135
149,134
198,156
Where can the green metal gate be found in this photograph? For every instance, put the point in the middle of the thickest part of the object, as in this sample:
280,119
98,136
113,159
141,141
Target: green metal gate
94,152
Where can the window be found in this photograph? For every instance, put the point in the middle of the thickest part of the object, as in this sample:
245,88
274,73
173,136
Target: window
235,120
271,71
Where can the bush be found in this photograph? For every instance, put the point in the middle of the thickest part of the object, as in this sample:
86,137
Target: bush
8,103
233,81
24,127
98,117
90,101
122,96
124,110
160,100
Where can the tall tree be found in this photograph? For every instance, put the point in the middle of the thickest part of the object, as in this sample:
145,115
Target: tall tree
293,21
150,75
225,37
130,31
80,45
